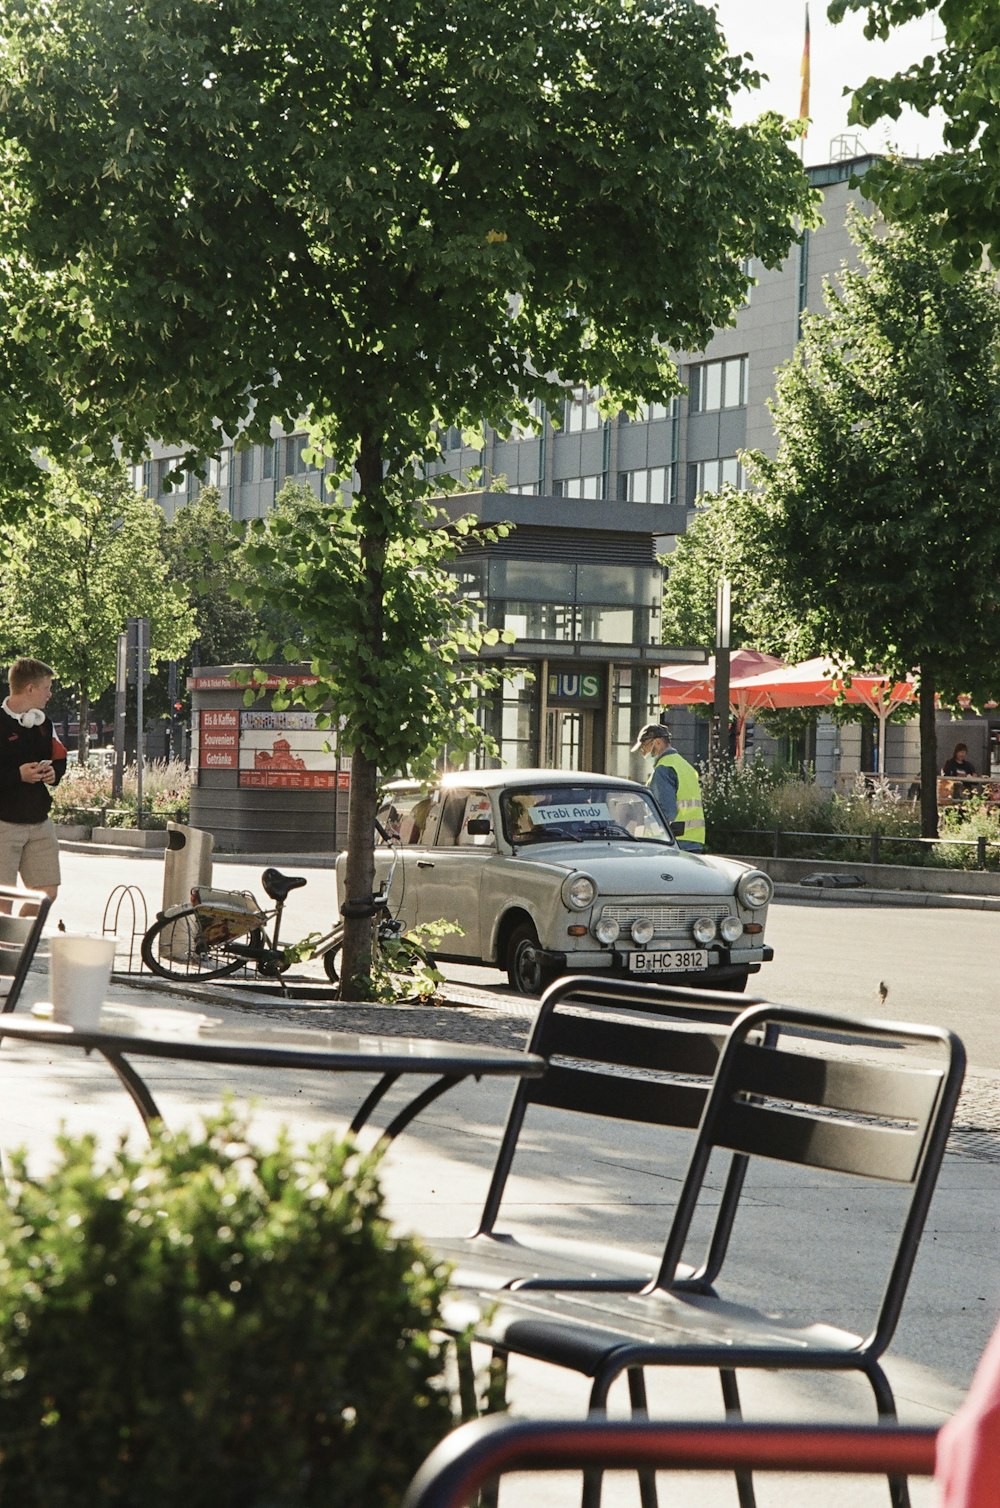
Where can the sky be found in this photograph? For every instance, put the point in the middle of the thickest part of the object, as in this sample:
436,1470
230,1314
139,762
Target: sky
772,32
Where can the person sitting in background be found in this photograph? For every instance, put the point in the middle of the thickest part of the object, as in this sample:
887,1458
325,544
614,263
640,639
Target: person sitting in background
959,764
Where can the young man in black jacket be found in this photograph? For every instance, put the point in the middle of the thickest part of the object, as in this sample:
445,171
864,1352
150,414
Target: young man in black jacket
32,760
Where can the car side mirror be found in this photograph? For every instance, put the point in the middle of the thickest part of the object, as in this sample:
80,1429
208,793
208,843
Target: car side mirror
479,827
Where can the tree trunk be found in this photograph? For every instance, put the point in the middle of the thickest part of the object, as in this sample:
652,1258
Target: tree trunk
83,737
359,876
928,756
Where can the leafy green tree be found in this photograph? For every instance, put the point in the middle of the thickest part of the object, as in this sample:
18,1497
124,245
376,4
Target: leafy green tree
382,216
88,560
203,560
953,194
881,517
726,538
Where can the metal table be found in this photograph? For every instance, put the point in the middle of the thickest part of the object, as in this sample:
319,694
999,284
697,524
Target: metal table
155,1032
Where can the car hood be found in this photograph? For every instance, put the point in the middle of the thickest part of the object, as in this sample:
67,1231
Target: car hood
633,868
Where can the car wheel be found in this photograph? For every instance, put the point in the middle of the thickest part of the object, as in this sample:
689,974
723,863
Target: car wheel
525,970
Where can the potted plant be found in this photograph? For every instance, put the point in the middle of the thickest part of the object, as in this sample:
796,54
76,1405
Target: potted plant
211,1324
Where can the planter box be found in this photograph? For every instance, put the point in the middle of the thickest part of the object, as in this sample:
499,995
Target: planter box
130,837
72,832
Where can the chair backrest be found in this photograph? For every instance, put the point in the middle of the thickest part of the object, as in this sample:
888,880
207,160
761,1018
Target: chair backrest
19,939
862,1098
594,1041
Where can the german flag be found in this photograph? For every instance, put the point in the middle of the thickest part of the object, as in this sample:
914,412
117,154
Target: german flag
804,96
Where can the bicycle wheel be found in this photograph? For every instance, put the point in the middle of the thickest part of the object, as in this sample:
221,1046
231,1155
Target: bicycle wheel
331,962
175,948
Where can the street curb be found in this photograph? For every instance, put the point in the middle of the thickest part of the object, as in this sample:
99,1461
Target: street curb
290,861
784,890
840,896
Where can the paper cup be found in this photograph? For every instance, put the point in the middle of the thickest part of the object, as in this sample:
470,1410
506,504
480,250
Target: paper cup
79,976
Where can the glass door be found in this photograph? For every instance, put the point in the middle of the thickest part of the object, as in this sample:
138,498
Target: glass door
569,739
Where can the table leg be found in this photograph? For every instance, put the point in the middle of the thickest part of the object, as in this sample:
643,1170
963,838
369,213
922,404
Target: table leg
140,1095
418,1103
371,1100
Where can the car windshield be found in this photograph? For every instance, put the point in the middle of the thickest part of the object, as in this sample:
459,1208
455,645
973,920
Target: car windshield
548,813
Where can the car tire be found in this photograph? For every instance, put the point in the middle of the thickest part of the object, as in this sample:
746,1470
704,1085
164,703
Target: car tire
525,971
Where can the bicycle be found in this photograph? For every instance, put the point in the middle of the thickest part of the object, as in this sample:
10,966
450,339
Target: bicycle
219,932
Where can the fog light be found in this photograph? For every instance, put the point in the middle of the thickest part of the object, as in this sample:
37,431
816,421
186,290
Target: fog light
731,928
703,930
642,931
607,930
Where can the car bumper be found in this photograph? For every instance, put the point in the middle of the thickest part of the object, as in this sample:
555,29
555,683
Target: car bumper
722,961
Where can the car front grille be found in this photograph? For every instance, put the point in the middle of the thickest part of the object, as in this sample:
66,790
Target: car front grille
668,921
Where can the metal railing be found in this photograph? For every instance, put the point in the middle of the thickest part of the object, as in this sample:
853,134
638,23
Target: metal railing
477,1453
874,841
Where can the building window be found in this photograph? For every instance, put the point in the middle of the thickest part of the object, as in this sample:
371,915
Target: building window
712,476
718,384
163,469
528,489
520,431
246,466
657,484
267,459
580,486
581,410
295,460
648,413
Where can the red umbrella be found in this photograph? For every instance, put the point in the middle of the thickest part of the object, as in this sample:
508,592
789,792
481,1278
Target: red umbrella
681,685
684,685
819,683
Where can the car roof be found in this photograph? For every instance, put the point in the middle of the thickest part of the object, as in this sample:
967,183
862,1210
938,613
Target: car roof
491,780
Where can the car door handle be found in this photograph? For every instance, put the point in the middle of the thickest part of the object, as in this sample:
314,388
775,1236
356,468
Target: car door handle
425,863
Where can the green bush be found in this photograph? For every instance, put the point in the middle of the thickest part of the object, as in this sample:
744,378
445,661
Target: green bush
211,1325
973,819
755,797
84,795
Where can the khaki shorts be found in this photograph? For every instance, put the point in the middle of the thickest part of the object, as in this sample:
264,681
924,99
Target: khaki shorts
30,849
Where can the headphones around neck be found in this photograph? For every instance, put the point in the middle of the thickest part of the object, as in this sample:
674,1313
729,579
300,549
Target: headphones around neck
33,718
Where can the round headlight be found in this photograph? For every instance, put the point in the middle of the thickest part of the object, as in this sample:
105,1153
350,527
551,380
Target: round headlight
754,889
731,928
607,930
642,930
703,929
578,891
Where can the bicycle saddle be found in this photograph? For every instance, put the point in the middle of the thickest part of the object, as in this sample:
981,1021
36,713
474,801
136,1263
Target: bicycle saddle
279,886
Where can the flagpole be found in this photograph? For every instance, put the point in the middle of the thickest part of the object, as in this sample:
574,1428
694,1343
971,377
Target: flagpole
804,72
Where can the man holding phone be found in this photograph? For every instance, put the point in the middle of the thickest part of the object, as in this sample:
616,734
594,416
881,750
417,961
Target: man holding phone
32,759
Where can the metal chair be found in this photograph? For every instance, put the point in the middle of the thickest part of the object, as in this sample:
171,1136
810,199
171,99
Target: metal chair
19,939
595,1034
863,1099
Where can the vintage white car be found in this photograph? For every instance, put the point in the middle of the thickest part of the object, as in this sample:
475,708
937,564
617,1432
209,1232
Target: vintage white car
548,873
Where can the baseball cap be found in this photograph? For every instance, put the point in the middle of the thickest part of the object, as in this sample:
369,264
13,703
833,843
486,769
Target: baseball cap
651,730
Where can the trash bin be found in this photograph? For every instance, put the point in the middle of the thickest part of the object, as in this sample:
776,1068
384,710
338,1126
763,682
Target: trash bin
186,862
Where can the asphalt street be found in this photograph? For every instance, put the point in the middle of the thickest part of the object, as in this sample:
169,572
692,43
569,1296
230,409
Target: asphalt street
939,965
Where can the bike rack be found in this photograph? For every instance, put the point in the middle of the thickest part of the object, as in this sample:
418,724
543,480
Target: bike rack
126,900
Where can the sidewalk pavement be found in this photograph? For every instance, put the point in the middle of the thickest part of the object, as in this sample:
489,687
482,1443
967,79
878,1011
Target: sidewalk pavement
435,1177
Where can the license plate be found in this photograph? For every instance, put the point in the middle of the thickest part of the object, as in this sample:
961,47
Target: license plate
665,963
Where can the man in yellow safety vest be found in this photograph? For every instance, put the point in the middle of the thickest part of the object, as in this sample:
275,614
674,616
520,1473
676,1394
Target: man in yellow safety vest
675,786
